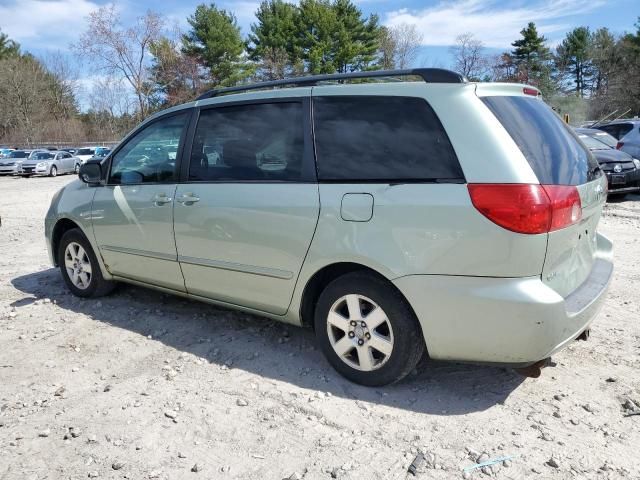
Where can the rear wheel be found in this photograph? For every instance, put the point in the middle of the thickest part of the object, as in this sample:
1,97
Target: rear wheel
79,266
76,169
54,171
367,330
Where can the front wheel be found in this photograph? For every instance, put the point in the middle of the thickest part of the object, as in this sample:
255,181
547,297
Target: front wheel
367,330
79,266
54,171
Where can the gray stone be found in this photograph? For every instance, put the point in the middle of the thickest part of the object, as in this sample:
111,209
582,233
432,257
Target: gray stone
553,462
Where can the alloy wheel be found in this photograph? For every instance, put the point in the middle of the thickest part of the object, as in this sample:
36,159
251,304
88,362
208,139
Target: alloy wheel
78,265
360,332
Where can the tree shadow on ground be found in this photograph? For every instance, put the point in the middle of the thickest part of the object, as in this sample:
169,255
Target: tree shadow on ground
272,349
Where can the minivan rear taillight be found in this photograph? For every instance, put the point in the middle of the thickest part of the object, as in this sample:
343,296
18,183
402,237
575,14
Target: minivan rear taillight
524,208
619,145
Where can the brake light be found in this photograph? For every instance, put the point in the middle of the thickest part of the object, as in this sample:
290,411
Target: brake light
530,91
528,209
619,145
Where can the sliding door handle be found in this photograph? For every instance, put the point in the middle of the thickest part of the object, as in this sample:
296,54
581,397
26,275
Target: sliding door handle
188,199
161,199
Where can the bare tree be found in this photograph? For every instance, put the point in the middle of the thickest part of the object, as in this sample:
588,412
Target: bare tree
110,100
399,46
120,50
65,84
407,41
468,57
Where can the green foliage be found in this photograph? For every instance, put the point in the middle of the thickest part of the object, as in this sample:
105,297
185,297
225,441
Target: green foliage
574,58
316,36
175,75
8,48
275,30
215,40
532,59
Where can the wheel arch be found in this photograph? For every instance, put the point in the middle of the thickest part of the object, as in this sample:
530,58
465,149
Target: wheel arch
321,278
62,226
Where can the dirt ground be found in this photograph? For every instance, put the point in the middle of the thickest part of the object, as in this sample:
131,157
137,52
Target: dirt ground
145,385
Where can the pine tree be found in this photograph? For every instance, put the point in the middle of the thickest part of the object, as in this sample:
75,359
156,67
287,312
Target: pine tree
532,58
215,40
573,56
272,41
8,48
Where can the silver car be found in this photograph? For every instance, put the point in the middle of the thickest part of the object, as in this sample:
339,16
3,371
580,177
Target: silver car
437,216
43,162
11,163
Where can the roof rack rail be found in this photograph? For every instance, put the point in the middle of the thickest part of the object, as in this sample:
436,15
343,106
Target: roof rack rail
429,75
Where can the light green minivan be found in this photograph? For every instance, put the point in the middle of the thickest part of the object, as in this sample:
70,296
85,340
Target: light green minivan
392,217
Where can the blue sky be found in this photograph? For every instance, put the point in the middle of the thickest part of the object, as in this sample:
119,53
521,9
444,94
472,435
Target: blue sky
43,26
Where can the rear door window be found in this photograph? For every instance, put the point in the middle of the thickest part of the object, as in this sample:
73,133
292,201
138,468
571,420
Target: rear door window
388,139
254,142
552,149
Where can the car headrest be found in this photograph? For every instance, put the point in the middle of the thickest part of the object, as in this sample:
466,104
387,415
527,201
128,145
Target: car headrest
240,153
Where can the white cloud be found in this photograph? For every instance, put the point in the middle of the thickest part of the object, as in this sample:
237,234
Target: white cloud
496,23
45,24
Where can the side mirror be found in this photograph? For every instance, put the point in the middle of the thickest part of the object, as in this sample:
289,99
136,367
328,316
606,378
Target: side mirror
91,173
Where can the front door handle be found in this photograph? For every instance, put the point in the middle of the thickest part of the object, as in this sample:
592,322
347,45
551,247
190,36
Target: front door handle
162,199
188,199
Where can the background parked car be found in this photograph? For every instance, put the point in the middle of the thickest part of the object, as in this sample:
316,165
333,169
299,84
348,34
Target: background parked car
627,132
101,152
50,163
622,170
10,164
85,154
5,151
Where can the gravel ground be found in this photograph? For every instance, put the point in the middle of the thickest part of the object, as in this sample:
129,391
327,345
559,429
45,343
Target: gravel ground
145,385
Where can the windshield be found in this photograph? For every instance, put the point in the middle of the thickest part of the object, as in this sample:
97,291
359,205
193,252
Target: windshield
593,144
42,156
606,138
18,154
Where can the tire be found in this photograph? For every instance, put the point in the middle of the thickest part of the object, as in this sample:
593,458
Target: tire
92,285
54,171
399,330
76,169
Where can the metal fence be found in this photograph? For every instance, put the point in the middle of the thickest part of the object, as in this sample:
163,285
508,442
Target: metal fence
59,145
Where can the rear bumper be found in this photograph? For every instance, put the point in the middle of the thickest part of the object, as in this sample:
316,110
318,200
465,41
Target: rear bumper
514,321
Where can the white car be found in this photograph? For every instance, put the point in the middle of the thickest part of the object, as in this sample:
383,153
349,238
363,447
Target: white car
85,154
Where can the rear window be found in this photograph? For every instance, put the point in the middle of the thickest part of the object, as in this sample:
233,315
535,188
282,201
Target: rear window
18,154
617,130
593,143
392,139
84,151
549,145
606,138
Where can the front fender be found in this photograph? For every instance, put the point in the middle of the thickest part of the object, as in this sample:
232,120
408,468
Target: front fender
72,203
